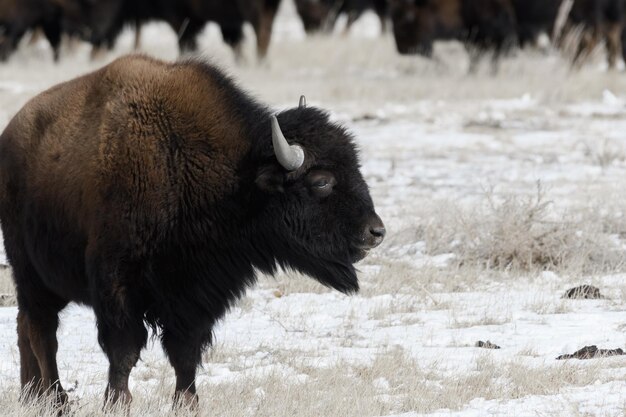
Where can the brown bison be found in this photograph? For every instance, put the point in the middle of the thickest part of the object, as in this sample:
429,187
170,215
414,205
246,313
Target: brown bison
152,192
482,24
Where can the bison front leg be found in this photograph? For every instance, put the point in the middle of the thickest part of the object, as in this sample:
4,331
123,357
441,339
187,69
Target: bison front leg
121,331
185,354
119,317
122,343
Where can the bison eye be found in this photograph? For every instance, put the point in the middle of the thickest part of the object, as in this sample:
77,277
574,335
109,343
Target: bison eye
320,183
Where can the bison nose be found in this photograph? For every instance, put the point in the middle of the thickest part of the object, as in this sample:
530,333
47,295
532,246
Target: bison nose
378,232
375,232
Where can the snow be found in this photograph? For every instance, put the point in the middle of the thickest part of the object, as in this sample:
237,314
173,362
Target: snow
425,137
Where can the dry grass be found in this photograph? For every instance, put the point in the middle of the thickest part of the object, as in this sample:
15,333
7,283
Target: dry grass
393,382
549,305
605,153
524,234
6,281
484,320
7,288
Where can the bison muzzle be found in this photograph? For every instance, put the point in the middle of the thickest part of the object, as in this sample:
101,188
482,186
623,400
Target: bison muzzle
152,192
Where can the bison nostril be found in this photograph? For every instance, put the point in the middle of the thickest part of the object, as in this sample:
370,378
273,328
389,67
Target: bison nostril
372,234
378,231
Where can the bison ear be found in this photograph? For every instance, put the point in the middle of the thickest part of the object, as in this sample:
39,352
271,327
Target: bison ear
270,178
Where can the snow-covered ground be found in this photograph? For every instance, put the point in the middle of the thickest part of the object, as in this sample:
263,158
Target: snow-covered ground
498,192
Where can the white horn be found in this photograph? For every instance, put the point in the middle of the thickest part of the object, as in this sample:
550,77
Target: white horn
302,104
291,157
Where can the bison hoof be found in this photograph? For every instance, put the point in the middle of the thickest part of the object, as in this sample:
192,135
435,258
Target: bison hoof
185,399
117,399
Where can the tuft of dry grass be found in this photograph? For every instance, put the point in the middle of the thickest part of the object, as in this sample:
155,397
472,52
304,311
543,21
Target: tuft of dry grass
6,281
522,233
484,320
7,288
548,305
605,153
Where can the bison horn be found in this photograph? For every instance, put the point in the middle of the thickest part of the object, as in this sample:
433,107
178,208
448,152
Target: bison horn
302,104
291,157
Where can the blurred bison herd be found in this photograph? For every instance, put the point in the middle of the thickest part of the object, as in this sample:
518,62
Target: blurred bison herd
496,26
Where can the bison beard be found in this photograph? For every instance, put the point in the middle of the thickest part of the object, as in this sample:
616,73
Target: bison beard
152,192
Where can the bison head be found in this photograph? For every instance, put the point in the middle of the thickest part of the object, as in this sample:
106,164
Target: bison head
319,208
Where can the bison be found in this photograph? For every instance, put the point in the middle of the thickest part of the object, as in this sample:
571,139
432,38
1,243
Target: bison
483,24
152,192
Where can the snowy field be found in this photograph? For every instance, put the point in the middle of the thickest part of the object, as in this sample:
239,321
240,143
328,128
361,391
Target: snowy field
499,193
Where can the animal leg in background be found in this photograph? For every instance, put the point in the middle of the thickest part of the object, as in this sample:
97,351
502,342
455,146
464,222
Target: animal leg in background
263,30
353,16
52,30
613,35
588,41
188,31
137,41
9,41
233,37
380,7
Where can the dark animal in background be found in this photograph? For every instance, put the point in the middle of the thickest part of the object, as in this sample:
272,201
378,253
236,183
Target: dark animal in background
534,17
101,22
322,15
17,17
152,192
230,16
481,24
599,20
